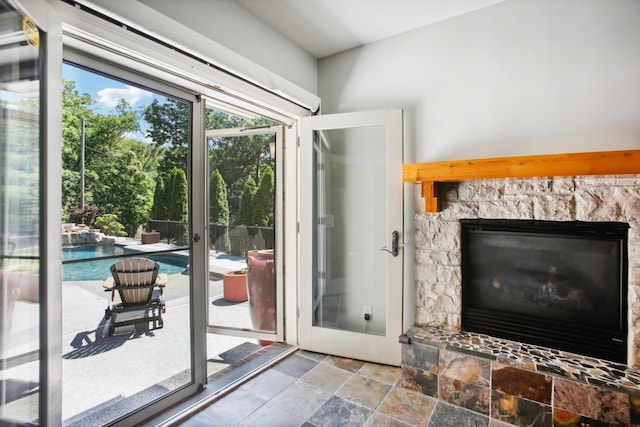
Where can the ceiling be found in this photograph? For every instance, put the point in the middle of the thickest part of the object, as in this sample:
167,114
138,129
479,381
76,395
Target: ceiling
325,27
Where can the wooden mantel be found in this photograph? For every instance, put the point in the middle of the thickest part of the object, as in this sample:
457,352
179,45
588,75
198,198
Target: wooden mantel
575,164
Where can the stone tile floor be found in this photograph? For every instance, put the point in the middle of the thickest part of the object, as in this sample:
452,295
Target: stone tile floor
309,389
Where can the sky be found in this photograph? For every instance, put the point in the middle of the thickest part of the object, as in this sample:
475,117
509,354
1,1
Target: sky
106,93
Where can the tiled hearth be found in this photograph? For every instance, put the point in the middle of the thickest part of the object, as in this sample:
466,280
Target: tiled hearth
495,382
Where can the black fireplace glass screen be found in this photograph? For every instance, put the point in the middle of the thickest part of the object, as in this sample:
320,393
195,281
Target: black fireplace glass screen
566,278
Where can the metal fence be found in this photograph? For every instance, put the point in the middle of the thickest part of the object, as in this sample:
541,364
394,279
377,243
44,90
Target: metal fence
231,239
173,232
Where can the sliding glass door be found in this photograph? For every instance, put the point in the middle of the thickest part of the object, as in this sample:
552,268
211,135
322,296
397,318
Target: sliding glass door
20,222
111,162
127,194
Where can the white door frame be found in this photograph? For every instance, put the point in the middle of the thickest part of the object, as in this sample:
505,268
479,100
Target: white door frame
375,348
277,130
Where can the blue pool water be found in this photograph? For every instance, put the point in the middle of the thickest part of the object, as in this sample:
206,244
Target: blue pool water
98,269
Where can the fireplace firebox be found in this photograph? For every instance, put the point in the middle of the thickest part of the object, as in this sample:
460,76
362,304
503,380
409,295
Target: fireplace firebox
561,285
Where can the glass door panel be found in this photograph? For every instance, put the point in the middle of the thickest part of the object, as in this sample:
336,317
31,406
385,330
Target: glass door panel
20,202
351,221
351,291
245,291
126,195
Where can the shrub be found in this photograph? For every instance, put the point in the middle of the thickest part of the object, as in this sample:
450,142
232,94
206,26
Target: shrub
109,225
86,215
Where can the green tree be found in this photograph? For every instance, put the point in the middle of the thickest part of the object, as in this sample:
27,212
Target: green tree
74,107
245,211
263,200
169,129
159,209
124,189
119,172
177,195
70,186
239,157
176,191
236,158
219,211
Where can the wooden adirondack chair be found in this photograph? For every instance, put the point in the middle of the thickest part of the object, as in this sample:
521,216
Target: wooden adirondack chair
135,286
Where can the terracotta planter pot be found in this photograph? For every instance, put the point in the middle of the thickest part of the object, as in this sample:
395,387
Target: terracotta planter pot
253,253
261,287
234,287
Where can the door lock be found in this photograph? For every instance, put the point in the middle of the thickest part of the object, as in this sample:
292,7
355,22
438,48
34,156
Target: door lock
394,244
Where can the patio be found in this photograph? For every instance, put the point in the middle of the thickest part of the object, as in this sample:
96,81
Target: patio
162,355
98,384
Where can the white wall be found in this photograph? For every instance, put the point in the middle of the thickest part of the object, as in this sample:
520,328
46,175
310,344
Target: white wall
233,26
520,77
247,43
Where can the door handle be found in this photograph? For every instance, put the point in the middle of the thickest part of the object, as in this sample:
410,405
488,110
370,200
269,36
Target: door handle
196,238
394,244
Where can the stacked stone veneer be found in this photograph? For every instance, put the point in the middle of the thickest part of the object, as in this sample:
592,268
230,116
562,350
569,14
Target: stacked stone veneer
438,271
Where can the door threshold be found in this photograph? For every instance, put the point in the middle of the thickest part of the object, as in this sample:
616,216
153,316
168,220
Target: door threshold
223,382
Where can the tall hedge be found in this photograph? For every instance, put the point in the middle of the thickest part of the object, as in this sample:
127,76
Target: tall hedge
177,195
219,211
245,211
159,210
263,200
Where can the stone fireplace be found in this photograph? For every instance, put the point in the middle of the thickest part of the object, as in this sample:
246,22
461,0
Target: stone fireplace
589,199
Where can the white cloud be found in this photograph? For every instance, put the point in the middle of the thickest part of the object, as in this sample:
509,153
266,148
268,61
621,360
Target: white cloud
111,96
138,136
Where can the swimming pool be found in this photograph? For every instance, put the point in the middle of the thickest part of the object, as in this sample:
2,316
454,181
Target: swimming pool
98,269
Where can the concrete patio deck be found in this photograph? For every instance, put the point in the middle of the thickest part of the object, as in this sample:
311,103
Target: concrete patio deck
104,377
162,357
